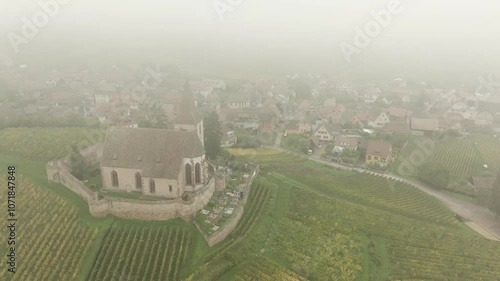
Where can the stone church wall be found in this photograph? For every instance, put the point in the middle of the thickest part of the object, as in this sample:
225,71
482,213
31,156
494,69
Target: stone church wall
59,172
223,232
152,210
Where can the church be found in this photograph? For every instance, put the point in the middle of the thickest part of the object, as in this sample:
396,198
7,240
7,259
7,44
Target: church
158,162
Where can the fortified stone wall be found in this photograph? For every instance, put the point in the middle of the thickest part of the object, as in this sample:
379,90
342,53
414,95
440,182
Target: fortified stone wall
59,172
223,232
152,210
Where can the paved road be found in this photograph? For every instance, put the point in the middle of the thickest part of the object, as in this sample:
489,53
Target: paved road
480,215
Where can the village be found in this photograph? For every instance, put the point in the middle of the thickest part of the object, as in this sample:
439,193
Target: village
330,117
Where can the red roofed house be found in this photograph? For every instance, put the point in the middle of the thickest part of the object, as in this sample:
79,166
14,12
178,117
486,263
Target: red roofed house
379,152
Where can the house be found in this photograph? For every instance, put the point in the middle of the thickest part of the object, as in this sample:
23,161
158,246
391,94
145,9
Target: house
154,162
379,152
377,118
484,119
305,127
371,95
247,121
238,101
424,127
345,142
101,98
482,183
268,119
327,132
203,88
344,87
330,102
228,138
216,83
398,114
292,127
211,102
400,128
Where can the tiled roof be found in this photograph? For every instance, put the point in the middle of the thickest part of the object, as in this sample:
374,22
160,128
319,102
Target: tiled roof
378,148
158,153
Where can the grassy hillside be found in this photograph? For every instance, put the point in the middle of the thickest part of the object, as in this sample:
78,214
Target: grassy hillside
338,226
302,221
47,143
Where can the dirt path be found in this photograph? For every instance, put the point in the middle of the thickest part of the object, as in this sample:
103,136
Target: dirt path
483,220
483,231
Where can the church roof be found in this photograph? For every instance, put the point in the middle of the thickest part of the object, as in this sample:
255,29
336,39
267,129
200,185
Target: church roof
157,152
187,112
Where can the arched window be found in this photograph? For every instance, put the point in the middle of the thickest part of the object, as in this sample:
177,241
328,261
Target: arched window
170,188
197,173
138,181
188,174
114,178
152,186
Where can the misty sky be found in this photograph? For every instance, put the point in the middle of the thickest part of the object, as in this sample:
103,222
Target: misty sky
297,35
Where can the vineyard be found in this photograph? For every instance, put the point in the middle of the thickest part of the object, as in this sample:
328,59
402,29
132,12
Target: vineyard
339,226
490,151
148,252
52,241
302,221
46,144
460,157
240,245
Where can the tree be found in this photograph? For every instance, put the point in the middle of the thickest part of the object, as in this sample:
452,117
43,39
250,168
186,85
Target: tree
212,134
434,174
155,118
494,205
79,168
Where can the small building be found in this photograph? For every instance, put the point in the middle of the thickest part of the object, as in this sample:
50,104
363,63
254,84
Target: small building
297,127
228,139
482,183
346,142
327,132
238,101
397,128
379,152
378,118
424,127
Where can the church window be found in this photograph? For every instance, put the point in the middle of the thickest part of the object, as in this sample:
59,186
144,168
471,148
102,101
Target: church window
138,181
197,173
188,174
152,186
114,178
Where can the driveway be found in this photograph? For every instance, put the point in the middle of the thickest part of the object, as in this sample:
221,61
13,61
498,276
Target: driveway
484,220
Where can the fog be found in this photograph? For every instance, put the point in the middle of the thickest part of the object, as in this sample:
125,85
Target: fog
446,38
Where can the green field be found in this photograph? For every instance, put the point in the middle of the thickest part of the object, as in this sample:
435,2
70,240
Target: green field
462,157
50,235
47,143
302,221
392,232
489,148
